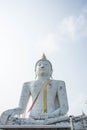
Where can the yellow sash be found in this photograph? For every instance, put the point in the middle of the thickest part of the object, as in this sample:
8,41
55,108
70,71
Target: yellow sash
45,95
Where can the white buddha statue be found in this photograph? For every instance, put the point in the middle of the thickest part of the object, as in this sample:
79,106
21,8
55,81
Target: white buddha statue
48,96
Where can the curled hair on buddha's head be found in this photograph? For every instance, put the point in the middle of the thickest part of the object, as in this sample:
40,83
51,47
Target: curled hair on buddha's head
44,59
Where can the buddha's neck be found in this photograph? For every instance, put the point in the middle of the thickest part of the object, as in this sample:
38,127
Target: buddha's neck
42,77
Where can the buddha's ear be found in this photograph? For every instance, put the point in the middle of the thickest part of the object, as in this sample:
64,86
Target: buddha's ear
35,75
51,73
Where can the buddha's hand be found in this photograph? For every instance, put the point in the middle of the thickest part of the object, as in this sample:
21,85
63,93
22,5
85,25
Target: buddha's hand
47,116
7,115
44,116
54,114
41,116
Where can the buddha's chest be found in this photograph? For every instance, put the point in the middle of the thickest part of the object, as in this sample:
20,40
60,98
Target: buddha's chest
40,87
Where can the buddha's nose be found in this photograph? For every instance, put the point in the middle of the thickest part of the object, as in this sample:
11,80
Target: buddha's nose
42,66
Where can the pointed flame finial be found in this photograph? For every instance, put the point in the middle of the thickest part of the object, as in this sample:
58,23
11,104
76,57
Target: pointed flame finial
44,57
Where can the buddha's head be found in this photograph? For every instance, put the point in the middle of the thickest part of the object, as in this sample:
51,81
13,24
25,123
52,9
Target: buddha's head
43,67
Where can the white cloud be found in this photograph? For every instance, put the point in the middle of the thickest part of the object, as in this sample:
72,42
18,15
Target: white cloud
74,27
70,30
67,26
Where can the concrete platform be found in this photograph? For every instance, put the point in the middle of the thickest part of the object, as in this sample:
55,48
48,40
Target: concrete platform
34,127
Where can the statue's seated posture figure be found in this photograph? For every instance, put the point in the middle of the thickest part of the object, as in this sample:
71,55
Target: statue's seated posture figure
48,96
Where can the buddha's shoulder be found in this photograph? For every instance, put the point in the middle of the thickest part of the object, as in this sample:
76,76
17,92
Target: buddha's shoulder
29,83
59,82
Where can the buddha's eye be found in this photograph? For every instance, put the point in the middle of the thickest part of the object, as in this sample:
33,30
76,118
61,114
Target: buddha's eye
39,64
46,64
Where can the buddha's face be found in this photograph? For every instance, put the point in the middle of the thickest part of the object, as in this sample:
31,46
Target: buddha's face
43,68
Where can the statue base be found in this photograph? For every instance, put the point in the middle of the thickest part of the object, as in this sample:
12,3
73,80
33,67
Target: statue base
35,127
74,123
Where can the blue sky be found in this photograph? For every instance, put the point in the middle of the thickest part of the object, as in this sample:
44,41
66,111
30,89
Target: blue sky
56,27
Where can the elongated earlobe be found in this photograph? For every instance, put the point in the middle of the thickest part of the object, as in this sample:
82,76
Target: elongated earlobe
35,76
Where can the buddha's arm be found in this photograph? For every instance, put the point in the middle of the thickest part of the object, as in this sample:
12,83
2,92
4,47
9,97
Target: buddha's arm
24,97
21,108
62,98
